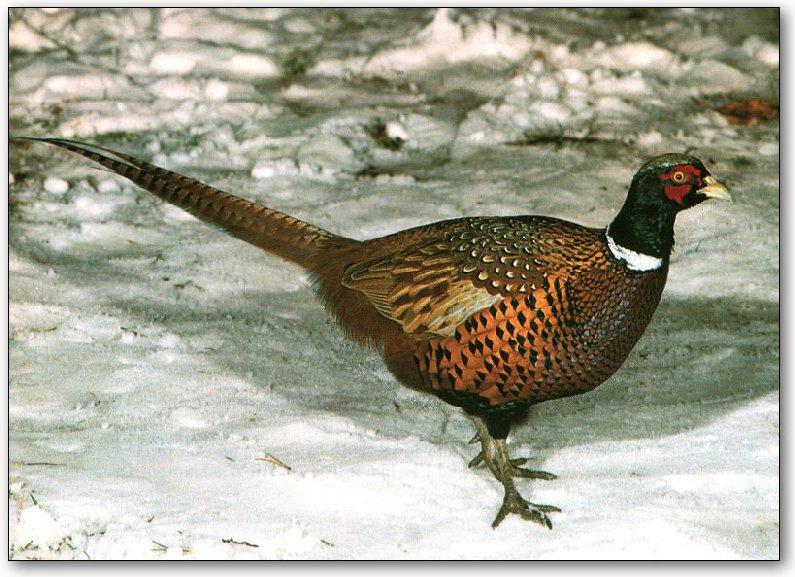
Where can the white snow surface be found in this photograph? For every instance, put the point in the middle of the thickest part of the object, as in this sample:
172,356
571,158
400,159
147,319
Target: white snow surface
160,371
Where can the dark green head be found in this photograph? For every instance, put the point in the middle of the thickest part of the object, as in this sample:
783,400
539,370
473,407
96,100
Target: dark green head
675,181
661,188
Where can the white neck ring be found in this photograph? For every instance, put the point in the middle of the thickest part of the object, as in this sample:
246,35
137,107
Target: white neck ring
636,261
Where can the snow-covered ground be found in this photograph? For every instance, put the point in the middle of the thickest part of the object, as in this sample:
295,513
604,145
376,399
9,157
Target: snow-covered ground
162,373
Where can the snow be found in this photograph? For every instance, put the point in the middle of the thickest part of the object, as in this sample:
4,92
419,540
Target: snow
444,42
633,56
765,52
37,528
55,185
176,393
172,63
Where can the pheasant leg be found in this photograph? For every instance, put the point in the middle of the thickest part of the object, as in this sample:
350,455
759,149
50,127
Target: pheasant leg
513,464
516,470
495,455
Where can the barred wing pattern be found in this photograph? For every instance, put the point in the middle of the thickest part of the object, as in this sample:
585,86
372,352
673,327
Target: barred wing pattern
467,265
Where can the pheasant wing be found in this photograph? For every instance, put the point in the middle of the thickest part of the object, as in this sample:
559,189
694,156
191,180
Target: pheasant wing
464,266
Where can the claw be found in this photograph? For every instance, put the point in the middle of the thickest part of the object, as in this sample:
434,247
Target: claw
526,510
537,517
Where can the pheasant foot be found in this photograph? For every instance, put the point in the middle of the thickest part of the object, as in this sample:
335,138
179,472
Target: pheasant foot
516,504
495,454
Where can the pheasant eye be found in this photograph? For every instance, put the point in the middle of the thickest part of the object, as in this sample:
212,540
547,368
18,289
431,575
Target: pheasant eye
679,177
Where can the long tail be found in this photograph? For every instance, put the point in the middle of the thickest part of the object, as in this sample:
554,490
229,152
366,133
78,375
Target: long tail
274,231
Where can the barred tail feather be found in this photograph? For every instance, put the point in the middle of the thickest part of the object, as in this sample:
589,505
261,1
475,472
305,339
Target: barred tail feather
271,230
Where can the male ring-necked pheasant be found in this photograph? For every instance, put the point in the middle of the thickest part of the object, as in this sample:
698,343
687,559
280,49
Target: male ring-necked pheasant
491,314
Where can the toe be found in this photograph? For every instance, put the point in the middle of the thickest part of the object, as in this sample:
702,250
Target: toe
546,508
476,461
537,516
526,510
531,474
500,517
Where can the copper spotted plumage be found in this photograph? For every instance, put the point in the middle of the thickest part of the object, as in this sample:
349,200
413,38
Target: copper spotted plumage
489,314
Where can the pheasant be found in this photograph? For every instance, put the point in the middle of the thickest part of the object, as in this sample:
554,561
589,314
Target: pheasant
490,314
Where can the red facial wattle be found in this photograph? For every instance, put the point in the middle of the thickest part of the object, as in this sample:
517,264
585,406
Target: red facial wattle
678,191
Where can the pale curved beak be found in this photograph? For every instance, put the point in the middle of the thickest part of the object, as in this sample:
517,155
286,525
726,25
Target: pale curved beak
715,189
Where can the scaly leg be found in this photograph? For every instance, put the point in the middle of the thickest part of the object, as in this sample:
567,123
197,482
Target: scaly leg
515,469
495,455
